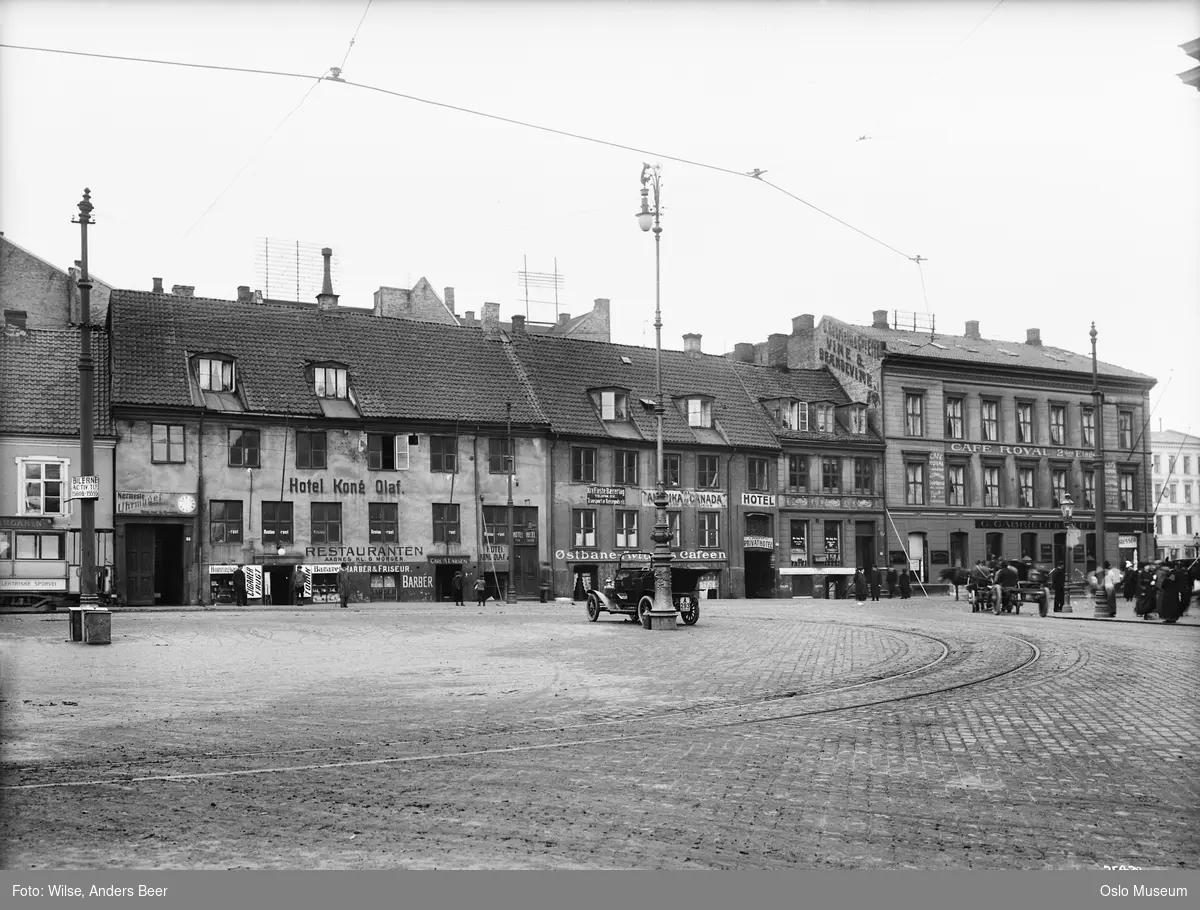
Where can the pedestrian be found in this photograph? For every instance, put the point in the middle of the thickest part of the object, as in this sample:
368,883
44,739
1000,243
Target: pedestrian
1145,596
344,585
1129,582
1058,581
239,585
905,585
298,584
1111,580
1170,609
1006,579
545,581
891,581
580,592
480,590
457,584
876,582
860,585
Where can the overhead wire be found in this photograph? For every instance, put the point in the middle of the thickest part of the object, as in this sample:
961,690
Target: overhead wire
355,35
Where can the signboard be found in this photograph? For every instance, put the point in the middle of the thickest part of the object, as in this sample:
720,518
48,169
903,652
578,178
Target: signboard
1111,493
33,584
443,560
606,495
1126,541
495,552
939,558
1047,552
155,502
751,542
703,498
937,477
987,448
20,523
86,486
896,556
1078,552
758,499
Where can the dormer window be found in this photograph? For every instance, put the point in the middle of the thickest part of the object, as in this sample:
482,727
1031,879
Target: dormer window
699,412
330,381
215,374
792,415
824,416
858,419
613,404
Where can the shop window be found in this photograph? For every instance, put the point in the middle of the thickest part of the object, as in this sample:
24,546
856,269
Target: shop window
166,443
443,454
445,523
5,544
310,449
43,486
326,522
276,524
383,522
225,521
799,537
833,543
244,448
383,588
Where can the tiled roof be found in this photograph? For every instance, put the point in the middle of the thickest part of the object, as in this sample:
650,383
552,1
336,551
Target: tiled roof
399,368
765,383
561,370
39,373
989,351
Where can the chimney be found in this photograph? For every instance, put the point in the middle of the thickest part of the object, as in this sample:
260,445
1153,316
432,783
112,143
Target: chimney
1034,337
256,297
973,329
183,290
802,323
491,319
879,319
691,344
327,300
518,325
244,293
777,351
564,318
450,299
469,317
743,352
158,288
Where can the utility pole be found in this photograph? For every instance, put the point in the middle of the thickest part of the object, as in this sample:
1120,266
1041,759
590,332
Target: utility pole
512,464
88,483
1101,475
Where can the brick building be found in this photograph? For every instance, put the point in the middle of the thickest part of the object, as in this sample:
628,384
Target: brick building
38,295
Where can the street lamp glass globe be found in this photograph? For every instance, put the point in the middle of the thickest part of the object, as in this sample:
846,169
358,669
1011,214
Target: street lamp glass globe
645,219
280,552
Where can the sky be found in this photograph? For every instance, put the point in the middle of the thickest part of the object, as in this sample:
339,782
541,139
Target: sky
1039,156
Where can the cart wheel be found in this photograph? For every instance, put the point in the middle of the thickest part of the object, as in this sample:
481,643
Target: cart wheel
691,613
593,608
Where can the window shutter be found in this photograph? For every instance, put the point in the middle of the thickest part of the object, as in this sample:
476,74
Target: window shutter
402,454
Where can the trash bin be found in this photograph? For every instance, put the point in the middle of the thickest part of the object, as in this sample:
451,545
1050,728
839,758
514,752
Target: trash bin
76,623
97,626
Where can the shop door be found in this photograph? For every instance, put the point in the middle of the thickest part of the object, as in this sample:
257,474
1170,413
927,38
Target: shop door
864,545
959,549
525,566
760,576
168,564
139,564
916,555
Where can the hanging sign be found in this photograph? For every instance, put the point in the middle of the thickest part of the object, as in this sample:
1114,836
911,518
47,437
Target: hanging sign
86,486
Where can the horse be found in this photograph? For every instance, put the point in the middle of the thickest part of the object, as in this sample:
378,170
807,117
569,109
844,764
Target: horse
954,575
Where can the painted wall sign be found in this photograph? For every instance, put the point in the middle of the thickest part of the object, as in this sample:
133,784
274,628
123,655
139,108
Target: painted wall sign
495,552
939,557
753,542
606,495
758,499
443,560
1127,541
705,498
85,486
626,556
340,487
21,523
814,502
1046,552
853,357
988,448
382,553
155,502
937,477
33,584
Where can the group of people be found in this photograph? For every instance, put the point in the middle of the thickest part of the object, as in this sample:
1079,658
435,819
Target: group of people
873,579
1162,587
997,575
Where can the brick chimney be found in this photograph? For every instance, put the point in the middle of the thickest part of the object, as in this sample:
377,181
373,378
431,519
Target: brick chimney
469,317
973,329
879,319
450,299
158,288
491,320
183,290
327,300
244,295
803,323
564,318
1034,337
743,352
691,344
777,351
518,325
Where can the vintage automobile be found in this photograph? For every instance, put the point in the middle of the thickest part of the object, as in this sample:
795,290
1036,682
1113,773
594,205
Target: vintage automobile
630,592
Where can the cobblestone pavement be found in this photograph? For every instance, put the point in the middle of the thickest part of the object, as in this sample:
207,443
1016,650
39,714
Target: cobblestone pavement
773,734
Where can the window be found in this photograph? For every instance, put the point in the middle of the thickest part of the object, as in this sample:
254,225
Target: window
673,528
858,419
991,486
383,522
383,588
799,529
1126,491
956,485
326,522
989,421
915,483
1125,429
831,475
583,527
583,465
40,546
1157,493
625,467
330,382
166,443
43,483
797,473
756,474
671,471
709,529
443,455
243,448
699,412
1025,486
499,460
824,414
1174,524
954,418
225,521
445,523
1171,464
215,375
1187,493
495,524
1024,421
387,452
1187,464
1058,425
1187,520
793,415
1058,485
864,476
614,406
1158,525
759,526
1157,463
1089,487
914,422
276,524
708,472
5,544
627,528
1087,426
310,449
1172,492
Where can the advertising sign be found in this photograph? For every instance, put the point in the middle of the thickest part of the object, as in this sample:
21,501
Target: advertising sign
606,495
86,486
751,542
758,499
155,502
1126,541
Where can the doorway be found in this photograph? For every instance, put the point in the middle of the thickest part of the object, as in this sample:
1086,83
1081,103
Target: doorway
443,580
864,545
525,568
1029,545
958,549
279,583
760,577
154,570
139,564
916,555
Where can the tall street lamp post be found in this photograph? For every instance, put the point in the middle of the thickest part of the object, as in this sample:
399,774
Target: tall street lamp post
663,614
87,455
1101,478
1068,509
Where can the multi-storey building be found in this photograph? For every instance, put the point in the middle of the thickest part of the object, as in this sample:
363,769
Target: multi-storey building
985,437
1176,500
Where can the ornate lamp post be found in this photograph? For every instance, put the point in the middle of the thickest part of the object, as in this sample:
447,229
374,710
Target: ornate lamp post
663,614
88,598
1068,509
1101,475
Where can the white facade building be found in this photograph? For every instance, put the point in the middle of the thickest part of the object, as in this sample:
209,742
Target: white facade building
1175,473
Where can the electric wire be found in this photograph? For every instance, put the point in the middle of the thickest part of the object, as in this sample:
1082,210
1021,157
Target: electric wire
203,66
355,35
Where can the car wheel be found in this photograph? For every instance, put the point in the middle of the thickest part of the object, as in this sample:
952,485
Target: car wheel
593,608
691,613
645,605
